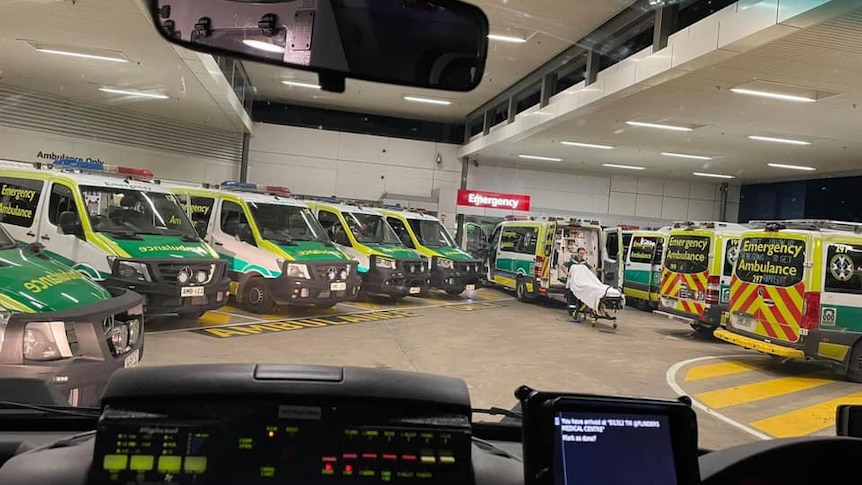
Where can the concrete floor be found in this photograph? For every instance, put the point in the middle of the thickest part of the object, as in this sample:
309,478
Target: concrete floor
495,344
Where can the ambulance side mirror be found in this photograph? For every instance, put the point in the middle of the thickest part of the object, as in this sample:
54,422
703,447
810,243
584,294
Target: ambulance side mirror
201,229
69,223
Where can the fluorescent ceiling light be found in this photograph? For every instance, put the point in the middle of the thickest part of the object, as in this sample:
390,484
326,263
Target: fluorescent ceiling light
659,126
586,145
624,167
507,38
685,155
778,140
536,157
767,94
713,175
264,46
300,84
137,94
792,167
95,57
417,99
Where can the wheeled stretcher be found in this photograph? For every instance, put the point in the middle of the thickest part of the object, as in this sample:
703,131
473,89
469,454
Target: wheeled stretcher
602,301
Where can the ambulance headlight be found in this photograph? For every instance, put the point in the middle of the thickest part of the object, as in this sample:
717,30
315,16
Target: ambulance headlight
444,263
119,337
46,341
184,276
298,270
134,331
132,270
201,276
343,274
385,263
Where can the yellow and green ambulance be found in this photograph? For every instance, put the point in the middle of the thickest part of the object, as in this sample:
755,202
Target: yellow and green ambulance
388,267
796,292
696,273
452,270
277,253
58,326
117,227
643,262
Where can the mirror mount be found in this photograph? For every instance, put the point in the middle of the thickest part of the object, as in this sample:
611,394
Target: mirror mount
331,82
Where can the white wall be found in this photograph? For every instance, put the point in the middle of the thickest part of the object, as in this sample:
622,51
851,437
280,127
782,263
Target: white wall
321,162
614,199
26,146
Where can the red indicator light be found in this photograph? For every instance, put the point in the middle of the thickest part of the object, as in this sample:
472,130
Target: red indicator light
408,457
328,467
349,456
330,459
369,456
348,468
390,456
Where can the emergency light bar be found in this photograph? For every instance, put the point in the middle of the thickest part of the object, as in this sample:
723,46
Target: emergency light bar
86,166
257,188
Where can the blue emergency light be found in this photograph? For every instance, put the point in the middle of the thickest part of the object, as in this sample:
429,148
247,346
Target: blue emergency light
250,187
91,166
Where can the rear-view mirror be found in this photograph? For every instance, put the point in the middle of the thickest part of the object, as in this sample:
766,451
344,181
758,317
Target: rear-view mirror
439,44
69,223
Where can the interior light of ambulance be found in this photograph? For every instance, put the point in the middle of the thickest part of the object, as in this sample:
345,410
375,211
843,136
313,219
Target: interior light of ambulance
90,166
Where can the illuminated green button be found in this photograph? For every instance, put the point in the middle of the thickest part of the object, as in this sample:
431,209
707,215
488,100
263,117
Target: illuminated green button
196,464
424,475
115,462
142,463
267,471
170,464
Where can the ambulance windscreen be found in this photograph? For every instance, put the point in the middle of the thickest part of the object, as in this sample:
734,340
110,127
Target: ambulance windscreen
687,254
773,261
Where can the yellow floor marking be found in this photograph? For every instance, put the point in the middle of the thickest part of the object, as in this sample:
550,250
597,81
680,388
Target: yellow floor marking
211,318
716,370
757,391
807,420
366,305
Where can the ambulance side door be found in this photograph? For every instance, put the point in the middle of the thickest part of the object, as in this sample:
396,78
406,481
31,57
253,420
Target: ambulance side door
612,256
70,247
19,207
230,236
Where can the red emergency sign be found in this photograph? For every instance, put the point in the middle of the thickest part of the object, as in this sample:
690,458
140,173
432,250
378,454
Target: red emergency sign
493,200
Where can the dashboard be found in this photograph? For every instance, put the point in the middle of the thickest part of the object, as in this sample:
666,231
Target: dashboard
288,424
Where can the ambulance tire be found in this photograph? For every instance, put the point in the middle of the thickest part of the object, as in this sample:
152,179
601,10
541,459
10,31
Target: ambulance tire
191,317
255,296
854,366
326,305
454,292
702,329
521,292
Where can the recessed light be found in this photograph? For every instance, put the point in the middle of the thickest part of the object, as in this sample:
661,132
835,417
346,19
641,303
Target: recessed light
264,46
659,126
713,175
137,94
685,155
417,99
586,145
792,167
83,53
300,84
624,167
507,38
771,95
778,140
536,157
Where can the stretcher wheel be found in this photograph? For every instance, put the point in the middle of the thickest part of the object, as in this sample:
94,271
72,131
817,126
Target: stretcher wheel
615,325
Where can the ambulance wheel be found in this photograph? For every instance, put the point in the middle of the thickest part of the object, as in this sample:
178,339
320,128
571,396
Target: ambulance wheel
701,328
192,316
326,305
521,292
454,292
256,297
854,366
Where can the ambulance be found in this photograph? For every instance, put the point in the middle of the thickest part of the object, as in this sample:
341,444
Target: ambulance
276,251
796,292
388,268
452,270
696,273
117,227
527,255
58,326
643,265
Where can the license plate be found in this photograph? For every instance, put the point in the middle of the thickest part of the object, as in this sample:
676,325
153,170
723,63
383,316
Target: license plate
471,287
744,323
414,290
686,294
132,359
192,291
337,286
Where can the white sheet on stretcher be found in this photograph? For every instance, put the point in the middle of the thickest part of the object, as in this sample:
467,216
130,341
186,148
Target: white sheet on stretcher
585,285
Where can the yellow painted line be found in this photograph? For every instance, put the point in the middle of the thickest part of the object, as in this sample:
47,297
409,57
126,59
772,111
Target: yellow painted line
716,370
758,391
366,305
212,318
807,420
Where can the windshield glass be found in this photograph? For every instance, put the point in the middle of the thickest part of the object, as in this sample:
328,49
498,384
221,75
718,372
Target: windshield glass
285,223
6,240
431,233
370,228
774,261
687,254
114,210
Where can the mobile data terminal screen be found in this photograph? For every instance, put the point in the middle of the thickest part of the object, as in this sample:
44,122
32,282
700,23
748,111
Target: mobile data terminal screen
592,447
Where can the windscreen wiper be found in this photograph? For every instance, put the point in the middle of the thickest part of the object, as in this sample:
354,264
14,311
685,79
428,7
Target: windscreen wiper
495,411
60,410
189,238
123,234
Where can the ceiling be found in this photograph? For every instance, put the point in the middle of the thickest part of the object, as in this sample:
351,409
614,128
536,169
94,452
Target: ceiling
550,26
825,58
116,25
